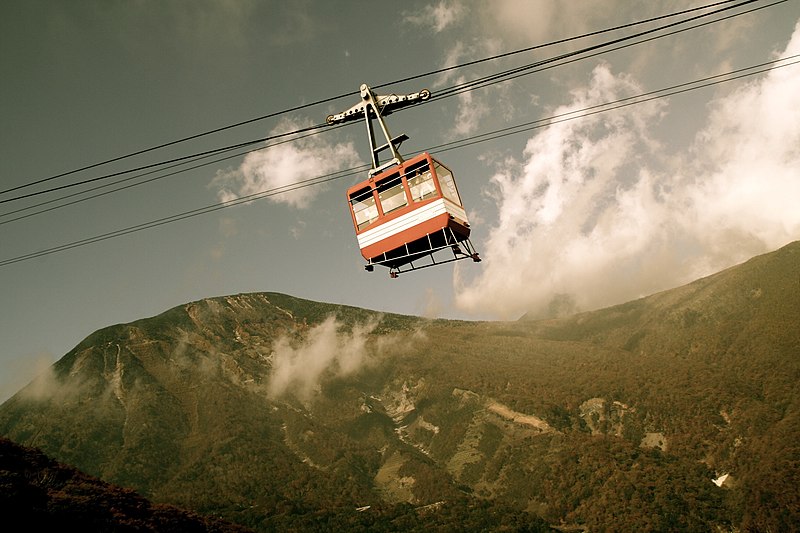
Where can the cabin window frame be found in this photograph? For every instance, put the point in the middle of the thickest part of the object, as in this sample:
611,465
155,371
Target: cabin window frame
364,197
389,189
421,171
447,183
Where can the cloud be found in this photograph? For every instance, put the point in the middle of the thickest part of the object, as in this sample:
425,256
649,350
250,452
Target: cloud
31,375
285,165
432,306
227,230
437,17
298,229
473,105
748,156
62,388
598,213
470,111
568,212
326,352
532,21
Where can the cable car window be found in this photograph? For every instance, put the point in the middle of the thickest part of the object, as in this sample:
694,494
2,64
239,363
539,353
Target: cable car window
422,186
392,194
364,208
447,183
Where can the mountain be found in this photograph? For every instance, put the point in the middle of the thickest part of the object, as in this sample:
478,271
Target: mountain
678,411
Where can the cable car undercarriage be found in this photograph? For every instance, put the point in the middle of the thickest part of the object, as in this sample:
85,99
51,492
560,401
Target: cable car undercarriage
409,253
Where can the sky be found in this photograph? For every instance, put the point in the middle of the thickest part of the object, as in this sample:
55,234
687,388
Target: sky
570,216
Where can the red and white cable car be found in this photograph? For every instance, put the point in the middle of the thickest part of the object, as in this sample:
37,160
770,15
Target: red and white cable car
406,210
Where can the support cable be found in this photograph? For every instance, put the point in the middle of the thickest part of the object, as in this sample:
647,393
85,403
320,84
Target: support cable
554,61
457,89
539,123
326,100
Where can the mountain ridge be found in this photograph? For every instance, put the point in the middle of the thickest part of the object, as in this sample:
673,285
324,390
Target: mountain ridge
271,410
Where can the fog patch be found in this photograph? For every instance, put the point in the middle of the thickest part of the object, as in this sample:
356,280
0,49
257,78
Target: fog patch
187,356
47,386
327,351
432,306
21,370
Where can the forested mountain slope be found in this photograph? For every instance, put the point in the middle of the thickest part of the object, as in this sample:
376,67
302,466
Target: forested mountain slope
676,411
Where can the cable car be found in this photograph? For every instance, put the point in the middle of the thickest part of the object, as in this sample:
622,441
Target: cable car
406,211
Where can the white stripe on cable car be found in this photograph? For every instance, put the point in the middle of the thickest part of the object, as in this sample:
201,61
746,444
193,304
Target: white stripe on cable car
409,220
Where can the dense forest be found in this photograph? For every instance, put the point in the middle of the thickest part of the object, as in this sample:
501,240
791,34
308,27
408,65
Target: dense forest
45,495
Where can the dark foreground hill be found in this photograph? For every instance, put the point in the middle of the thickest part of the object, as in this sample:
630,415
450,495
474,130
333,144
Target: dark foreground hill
679,411
39,494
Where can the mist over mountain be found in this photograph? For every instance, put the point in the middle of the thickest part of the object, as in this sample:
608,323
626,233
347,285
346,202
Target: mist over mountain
678,411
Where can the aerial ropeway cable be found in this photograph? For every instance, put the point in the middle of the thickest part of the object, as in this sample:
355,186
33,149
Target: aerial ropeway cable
442,94
477,83
314,181
460,143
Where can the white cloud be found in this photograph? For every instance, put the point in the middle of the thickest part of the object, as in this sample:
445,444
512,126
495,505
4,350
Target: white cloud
453,57
285,165
532,21
748,157
438,16
473,106
597,213
325,352
470,111
34,372
570,211
298,229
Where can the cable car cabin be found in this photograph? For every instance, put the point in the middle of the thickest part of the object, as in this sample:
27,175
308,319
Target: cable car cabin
408,212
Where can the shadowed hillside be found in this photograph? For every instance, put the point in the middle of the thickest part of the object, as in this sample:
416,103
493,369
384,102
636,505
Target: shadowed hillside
678,411
39,494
